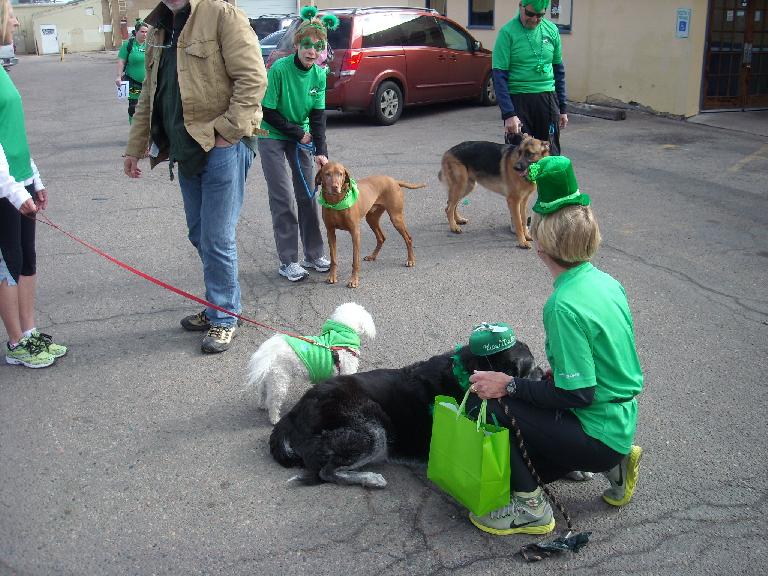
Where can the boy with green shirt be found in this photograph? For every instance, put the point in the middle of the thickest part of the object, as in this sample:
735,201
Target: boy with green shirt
582,416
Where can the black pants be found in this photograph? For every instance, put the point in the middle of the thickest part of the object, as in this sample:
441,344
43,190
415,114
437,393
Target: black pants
17,239
554,439
134,89
540,117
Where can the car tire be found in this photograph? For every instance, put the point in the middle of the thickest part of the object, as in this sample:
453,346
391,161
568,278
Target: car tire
387,105
488,94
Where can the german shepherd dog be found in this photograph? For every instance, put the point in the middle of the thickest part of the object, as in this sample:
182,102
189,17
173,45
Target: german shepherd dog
501,168
346,422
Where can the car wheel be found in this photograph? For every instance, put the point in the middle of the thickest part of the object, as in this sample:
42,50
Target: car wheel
488,95
387,103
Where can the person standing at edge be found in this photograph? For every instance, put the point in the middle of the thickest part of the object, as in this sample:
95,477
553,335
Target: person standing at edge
200,108
529,75
130,65
22,193
583,414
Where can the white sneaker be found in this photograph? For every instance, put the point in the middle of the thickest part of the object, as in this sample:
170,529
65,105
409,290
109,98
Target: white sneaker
321,264
293,272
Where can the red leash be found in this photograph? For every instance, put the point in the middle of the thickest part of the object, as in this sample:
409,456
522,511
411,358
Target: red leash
40,217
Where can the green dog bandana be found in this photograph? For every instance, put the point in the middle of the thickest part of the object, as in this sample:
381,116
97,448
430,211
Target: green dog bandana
349,198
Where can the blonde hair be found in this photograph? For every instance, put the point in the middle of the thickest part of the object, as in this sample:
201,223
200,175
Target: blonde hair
570,235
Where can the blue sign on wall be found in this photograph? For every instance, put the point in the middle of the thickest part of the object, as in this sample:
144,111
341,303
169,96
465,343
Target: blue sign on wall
683,22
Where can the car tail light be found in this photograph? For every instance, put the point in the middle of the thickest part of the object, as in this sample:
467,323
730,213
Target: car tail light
351,62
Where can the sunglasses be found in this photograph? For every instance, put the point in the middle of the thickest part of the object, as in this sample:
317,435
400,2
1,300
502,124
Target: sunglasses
307,44
534,14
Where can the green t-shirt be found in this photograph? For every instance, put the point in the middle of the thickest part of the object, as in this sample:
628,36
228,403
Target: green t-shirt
528,56
318,359
590,342
13,134
294,93
134,67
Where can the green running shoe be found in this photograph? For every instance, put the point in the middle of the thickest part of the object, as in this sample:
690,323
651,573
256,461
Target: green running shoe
30,353
623,478
55,350
529,514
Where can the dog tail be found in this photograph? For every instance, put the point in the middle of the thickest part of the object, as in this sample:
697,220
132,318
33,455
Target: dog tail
260,363
409,185
280,446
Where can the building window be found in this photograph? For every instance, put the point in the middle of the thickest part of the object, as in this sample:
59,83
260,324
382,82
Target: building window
481,13
439,5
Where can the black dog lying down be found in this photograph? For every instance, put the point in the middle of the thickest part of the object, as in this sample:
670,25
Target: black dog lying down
346,422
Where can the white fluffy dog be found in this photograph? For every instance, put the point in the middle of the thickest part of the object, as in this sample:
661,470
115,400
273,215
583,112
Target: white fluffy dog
281,377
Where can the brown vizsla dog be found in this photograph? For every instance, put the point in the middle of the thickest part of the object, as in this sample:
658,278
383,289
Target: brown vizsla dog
377,194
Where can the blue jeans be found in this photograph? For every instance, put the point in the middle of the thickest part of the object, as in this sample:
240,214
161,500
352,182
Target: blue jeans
212,203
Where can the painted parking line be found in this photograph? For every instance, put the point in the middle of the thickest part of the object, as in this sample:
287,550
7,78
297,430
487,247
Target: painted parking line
761,153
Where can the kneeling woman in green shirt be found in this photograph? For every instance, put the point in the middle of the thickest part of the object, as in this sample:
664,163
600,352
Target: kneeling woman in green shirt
294,116
583,415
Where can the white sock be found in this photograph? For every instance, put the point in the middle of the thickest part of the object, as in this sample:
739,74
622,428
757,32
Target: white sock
28,333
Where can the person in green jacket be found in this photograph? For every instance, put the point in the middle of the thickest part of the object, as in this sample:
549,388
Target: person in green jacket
582,416
130,65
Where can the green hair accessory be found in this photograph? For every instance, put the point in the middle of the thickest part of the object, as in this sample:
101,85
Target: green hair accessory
308,12
330,21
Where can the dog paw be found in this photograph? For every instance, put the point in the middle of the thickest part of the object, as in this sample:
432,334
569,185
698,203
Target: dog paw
353,283
370,258
331,280
374,480
455,229
410,263
461,220
525,245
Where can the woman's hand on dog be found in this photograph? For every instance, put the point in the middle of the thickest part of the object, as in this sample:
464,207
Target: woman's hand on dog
489,385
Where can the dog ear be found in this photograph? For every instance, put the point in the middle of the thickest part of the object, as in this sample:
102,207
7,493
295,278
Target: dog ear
346,179
319,177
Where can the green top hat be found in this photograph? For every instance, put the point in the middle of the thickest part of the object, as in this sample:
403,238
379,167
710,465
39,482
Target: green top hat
556,183
487,339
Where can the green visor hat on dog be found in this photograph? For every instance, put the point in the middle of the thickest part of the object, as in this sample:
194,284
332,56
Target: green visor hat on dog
487,338
556,184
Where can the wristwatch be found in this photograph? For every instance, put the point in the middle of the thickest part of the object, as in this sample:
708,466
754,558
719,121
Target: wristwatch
511,387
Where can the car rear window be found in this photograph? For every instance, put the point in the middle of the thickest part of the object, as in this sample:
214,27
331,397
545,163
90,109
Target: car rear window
400,30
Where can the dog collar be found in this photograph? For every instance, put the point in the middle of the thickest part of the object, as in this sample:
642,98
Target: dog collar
349,198
459,372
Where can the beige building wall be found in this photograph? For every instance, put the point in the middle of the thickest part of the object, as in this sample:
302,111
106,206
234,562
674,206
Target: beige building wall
79,25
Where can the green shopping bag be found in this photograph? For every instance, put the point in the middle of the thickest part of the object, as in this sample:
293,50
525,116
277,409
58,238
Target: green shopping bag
469,460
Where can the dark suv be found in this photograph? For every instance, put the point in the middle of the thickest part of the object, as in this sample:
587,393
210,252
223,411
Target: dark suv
269,23
388,58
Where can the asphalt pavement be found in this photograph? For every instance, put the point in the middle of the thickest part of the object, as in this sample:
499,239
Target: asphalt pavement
136,454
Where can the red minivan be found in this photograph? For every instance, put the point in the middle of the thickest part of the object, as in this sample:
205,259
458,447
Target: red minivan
386,58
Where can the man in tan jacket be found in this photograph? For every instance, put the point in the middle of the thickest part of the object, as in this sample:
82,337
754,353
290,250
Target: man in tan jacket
200,106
